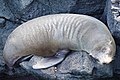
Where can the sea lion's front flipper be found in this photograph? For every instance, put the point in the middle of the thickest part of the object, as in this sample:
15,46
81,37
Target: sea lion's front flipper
38,62
50,61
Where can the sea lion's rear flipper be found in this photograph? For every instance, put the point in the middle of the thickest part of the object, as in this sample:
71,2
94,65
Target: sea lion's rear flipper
38,62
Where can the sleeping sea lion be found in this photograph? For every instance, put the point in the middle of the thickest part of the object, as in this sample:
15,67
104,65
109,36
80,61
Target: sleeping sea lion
44,36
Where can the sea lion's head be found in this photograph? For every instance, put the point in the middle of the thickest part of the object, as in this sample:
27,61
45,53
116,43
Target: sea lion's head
104,52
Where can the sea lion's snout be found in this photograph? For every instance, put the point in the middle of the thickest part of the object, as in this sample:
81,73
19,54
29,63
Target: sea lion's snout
104,56
104,53
109,52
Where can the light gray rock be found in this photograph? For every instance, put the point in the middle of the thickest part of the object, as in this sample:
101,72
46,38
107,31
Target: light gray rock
29,9
17,6
4,10
77,65
24,3
112,13
117,61
2,22
1,62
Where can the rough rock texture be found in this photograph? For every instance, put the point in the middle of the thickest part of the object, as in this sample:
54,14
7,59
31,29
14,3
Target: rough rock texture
16,12
112,13
113,18
78,65
29,9
117,61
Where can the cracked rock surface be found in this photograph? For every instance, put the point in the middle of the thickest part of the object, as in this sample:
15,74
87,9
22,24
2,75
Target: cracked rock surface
112,12
75,66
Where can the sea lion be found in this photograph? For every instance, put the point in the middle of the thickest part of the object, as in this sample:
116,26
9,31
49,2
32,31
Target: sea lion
44,36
